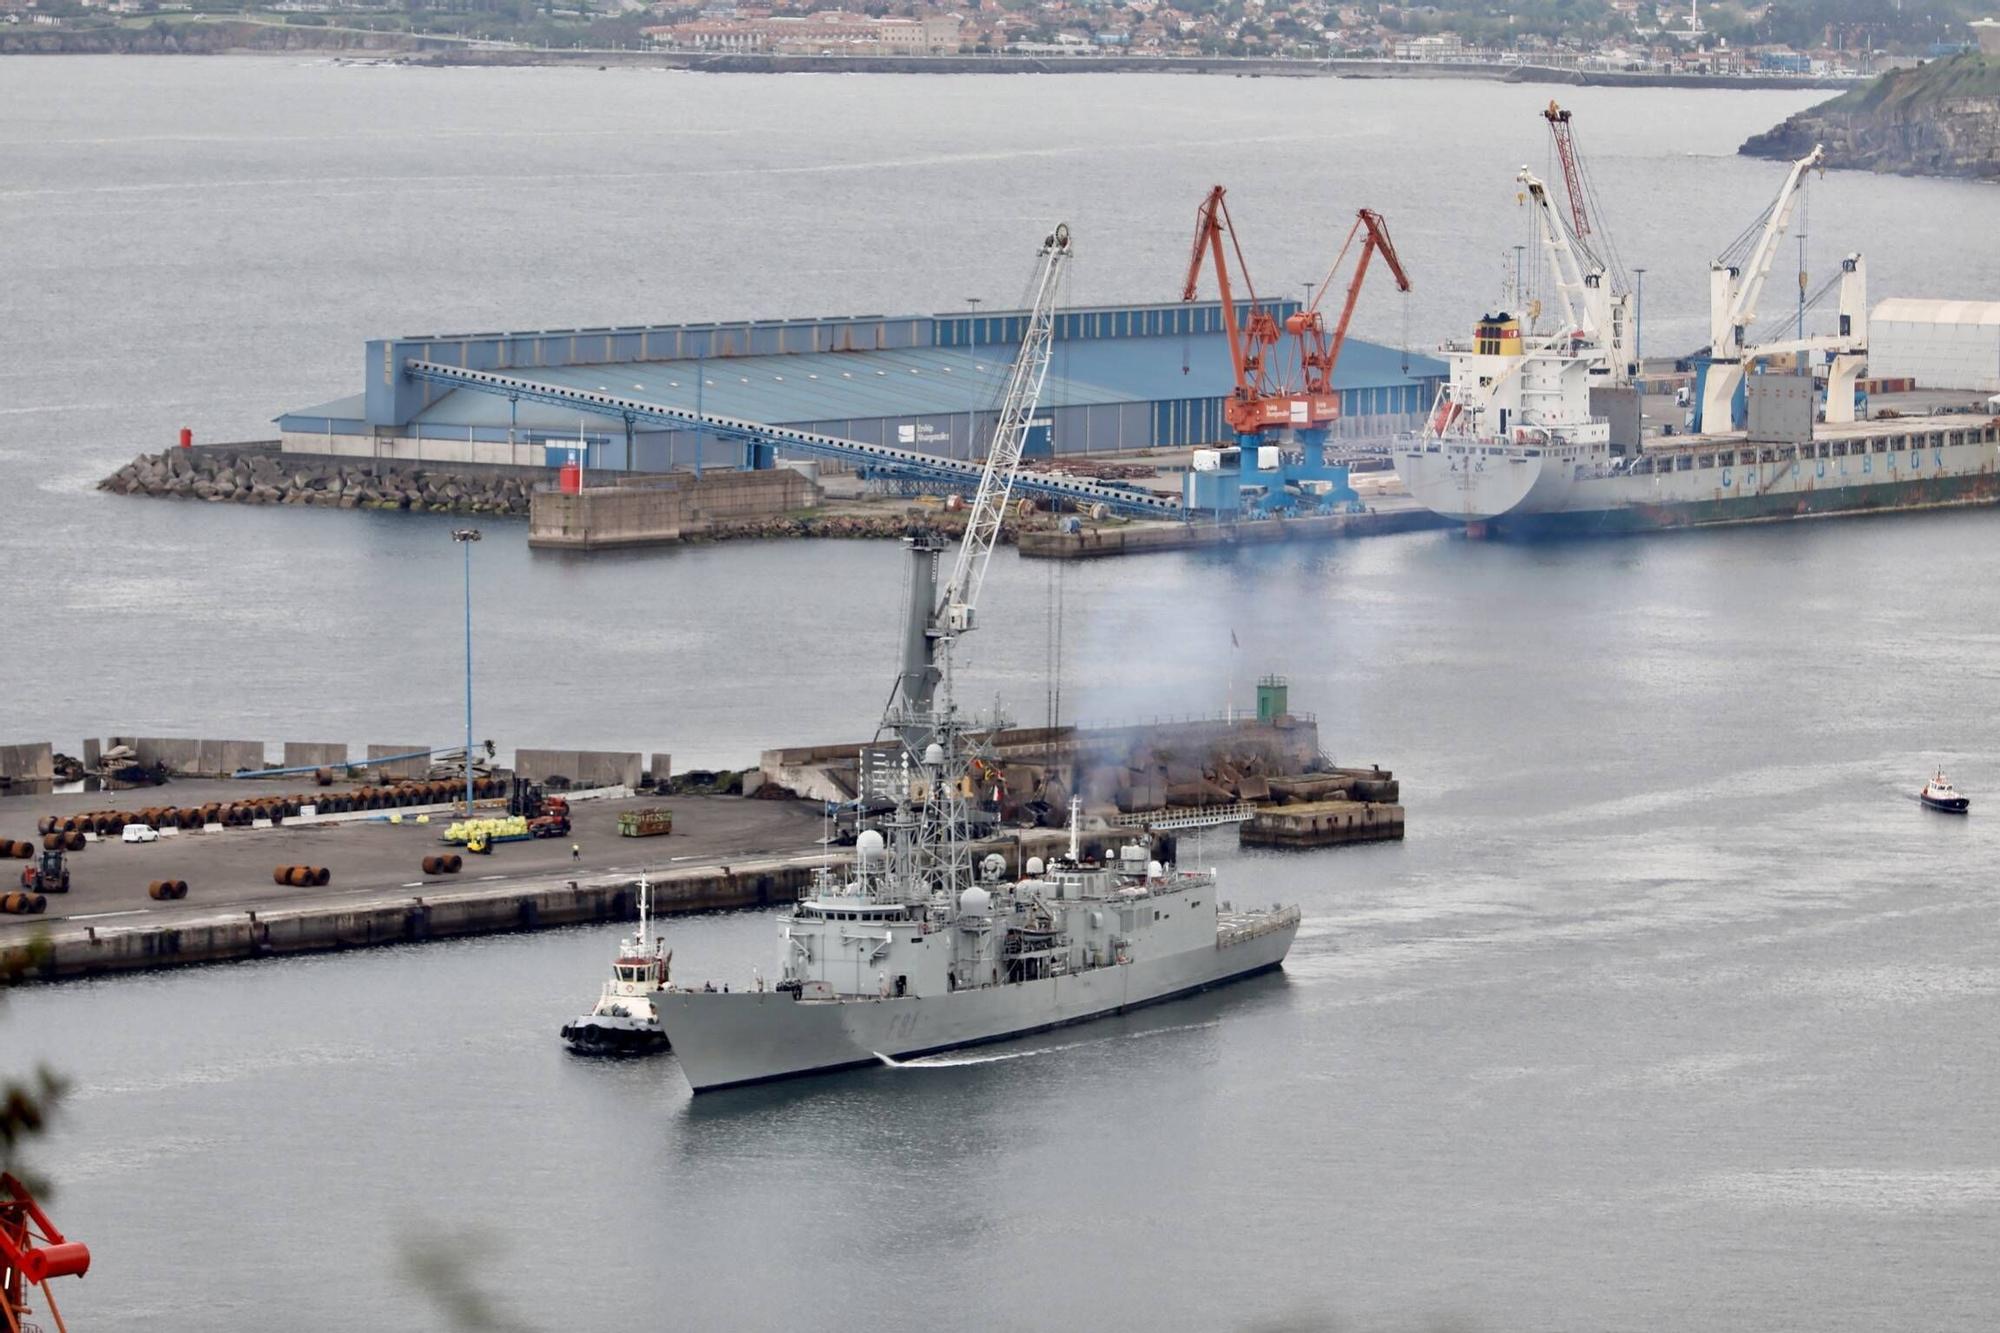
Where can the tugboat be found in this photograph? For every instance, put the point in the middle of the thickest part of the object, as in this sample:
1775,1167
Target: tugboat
1939,794
624,1020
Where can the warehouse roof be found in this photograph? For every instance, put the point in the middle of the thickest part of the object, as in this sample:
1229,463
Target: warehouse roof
1917,310
835,386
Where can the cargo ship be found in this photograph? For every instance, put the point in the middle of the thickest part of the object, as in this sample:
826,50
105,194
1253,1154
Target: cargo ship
1539,433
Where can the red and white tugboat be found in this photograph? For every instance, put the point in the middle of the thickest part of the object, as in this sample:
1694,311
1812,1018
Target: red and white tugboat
1939,794
624,1020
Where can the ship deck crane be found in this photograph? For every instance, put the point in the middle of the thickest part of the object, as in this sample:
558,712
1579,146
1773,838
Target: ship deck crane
1591,308
1734,290
1590,288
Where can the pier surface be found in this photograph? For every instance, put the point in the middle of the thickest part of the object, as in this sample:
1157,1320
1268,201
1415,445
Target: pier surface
723,852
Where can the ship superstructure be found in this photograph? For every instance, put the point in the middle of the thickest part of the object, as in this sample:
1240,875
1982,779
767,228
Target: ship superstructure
915,949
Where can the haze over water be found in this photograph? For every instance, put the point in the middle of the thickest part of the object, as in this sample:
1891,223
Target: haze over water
1674,1010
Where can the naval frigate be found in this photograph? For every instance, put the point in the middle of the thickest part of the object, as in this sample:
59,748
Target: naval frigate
915,949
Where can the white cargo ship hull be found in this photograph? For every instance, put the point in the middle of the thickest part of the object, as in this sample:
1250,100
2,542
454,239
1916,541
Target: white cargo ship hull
727,1040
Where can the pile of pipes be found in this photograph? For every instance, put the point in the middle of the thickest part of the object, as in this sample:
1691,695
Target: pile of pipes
243,813
302,877
271,478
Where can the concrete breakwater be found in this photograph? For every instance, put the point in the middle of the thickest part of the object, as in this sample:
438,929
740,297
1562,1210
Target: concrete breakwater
1090,541
262,475
79,951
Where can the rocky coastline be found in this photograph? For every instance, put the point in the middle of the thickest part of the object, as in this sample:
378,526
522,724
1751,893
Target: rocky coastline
1938,119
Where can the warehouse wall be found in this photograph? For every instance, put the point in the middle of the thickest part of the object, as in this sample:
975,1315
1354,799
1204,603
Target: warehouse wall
1936,355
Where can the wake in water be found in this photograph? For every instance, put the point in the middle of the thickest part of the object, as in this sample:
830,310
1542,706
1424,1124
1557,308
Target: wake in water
948,1060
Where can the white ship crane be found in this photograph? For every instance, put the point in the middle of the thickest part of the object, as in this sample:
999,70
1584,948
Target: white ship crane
1590,294
1733,293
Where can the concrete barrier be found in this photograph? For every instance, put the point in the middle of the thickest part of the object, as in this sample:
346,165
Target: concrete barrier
583,768
402,768
194,757
32,762
316,754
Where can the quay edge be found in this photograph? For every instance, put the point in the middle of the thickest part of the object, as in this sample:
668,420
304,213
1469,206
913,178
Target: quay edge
71,951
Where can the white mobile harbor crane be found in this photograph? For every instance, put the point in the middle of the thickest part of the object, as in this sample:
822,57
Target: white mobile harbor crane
1733,292
932,622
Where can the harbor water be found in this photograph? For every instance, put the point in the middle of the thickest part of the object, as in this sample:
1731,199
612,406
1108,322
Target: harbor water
1673,1010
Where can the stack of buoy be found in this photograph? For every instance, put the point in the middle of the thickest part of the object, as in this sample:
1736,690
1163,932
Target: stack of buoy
18,903
20,851
166,890
302,877
448,864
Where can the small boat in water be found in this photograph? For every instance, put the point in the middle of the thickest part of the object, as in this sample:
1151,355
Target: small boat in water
1939,794
624,1021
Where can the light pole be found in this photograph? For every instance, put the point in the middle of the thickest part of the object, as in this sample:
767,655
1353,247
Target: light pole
1639,325
465,537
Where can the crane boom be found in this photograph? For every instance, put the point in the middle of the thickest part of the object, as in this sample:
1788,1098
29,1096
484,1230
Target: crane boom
1559,129
1584,290
1321,359
1010,438
1250,337
1732,308
1734,293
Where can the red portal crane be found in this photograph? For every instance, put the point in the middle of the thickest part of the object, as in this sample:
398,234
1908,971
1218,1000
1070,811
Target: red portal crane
31,1252
1317,355
1261,400
1258,402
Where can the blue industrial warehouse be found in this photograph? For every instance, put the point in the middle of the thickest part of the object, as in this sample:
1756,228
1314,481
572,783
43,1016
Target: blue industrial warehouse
1122,378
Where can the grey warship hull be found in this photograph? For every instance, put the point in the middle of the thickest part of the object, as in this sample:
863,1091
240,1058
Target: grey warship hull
728,1040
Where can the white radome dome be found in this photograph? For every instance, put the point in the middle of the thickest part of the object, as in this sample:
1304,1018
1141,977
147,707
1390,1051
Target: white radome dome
975,901
868,847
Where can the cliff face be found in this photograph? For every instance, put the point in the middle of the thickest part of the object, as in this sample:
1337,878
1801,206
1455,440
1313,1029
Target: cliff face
1939,119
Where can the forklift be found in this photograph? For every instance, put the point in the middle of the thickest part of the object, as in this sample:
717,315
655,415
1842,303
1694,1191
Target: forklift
50,875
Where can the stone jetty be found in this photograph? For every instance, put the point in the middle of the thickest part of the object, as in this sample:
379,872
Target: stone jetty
268,477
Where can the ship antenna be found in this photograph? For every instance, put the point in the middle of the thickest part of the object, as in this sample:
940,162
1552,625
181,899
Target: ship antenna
1075,828
645,912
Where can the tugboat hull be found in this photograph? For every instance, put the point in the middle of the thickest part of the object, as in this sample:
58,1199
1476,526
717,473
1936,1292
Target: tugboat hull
1953,805
594,1036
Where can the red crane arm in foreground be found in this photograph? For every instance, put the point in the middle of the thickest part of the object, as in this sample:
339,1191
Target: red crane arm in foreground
1249,338
1317,354
31,1252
